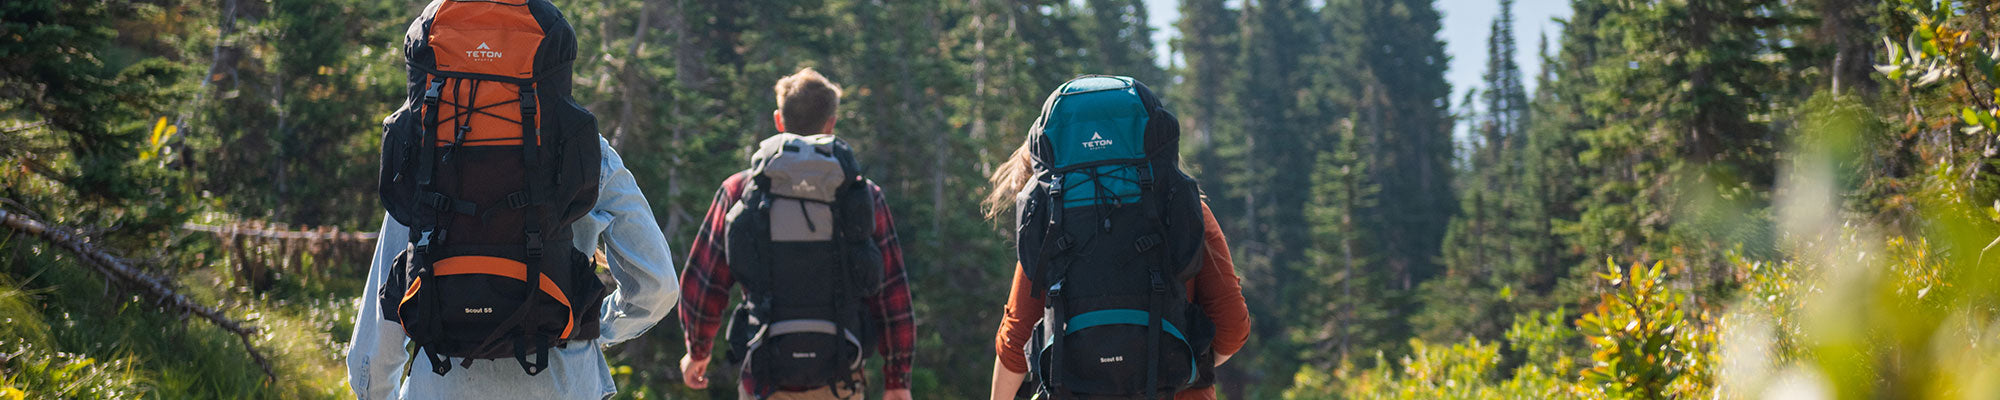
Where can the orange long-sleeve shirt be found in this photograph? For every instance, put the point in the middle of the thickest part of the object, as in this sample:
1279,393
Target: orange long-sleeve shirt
1215,289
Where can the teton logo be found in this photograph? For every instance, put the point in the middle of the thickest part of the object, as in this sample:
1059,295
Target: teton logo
481,310
1107,360
805,355
1096,142
482,53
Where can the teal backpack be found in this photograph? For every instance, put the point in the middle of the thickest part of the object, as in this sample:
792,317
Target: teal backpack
1109,230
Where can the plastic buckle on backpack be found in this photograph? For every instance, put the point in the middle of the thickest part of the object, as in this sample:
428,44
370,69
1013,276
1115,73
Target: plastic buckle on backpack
1064,242
1159,284
1146,177
431,95
535,244
437,201
517,200
424,240
527,105
1148,242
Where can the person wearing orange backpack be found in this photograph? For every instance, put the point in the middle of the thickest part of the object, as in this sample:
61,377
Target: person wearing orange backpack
498,187
1124,286
814,247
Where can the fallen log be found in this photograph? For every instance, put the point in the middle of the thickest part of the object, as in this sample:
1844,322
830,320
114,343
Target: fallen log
121,271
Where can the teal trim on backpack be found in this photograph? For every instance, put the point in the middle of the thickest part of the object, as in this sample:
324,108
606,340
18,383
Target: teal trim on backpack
1133,317
1121,181
1094,120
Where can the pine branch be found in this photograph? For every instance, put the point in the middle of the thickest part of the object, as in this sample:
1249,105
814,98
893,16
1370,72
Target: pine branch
119,270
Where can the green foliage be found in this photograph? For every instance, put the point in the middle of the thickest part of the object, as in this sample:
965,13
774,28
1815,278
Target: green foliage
62,375
1466,370
1376,264
1545,342
1645,346
1949,43
1855,314
1353,303
1490,247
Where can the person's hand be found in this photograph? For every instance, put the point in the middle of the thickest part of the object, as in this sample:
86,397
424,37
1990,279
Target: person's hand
898,394
694,373
1222,358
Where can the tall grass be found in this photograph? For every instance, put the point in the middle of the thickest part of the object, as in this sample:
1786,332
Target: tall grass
70,335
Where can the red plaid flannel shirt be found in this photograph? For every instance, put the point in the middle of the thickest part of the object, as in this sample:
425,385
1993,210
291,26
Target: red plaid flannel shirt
705,284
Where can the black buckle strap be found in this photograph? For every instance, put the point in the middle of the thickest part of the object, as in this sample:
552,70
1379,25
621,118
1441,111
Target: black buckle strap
423,242
522,344
517,200
1148,242
439,364
527,101
427,141
534,244
431,95
442,202
1159,283
1064,242
1152,352
1146,177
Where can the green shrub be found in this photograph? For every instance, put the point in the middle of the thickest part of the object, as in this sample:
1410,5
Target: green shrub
1644,345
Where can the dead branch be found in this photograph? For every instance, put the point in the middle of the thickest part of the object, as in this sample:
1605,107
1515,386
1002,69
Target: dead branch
317,234
121,271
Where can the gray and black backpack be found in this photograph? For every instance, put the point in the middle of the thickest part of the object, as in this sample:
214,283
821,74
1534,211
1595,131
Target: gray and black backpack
800,241
1109,229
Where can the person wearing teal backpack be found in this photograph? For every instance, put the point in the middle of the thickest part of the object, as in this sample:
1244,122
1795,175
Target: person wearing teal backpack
1124,287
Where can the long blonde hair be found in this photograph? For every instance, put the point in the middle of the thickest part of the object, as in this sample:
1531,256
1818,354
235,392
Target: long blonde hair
1007,181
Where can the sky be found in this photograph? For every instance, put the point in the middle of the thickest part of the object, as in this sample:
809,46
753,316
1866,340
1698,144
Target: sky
1467,23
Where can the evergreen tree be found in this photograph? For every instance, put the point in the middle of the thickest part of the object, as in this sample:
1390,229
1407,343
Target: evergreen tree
1122,42
1264,179
1207,50
1350,309
1680,86
76,122
1405,116
1487,251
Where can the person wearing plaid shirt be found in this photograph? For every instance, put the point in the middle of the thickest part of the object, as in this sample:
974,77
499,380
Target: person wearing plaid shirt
706,280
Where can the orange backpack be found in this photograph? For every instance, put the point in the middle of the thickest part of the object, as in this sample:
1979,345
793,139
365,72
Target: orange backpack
488,162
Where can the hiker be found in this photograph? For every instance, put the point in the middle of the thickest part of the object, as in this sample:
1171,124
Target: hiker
813,245
493,178
1106,220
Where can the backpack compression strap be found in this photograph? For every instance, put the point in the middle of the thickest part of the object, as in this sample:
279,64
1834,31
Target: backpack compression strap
531,161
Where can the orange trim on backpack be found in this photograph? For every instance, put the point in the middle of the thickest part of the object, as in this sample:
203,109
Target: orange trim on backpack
407,295
497,125
486,38
490,38
497,266
411,293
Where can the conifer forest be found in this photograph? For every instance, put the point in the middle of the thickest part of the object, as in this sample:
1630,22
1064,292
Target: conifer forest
1689,199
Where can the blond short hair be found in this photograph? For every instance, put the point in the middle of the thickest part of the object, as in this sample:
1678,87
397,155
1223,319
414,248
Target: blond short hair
807,101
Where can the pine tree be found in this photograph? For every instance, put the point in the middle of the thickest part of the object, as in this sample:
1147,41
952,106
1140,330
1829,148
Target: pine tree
1122,42
1680,87
1487,250
1350,308
76,121
1405,115
1207,47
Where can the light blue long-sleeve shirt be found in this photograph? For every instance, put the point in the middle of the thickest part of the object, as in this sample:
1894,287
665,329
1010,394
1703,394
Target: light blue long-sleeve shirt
647,290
